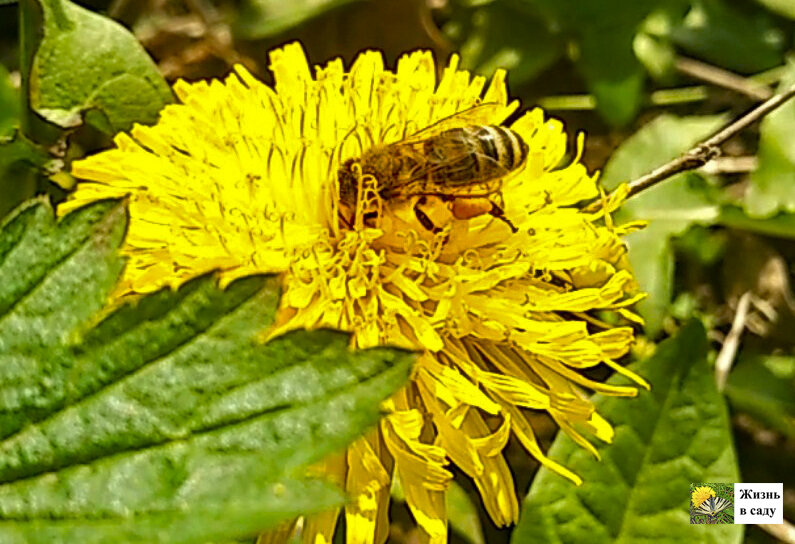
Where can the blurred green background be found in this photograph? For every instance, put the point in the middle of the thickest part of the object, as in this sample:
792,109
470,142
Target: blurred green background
645,79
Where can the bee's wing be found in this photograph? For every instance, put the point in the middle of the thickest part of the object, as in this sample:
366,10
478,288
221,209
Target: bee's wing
479,114
454,175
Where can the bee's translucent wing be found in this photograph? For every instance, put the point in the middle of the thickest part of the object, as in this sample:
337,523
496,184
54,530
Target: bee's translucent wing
455,175
480,114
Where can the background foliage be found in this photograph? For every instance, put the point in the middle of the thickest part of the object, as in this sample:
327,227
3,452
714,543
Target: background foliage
645,80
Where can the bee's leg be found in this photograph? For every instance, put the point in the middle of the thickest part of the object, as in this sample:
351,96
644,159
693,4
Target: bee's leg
423,218
498,213
425,221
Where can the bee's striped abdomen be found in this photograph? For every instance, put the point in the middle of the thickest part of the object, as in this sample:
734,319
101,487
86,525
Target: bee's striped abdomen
502,150
474,154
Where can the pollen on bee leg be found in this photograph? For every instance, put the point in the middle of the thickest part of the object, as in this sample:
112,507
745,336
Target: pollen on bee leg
467,208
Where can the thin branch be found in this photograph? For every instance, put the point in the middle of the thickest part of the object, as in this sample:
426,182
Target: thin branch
728,352
722,78
678,95
731,165
702,153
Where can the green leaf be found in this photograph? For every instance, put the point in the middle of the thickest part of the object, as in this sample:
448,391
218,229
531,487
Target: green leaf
613,73
20,164
85,62
54,279
657,56
9,104
781,225
265,18
772,187
740,40
166,420
676,434
18,157
499,35
782,7
463,515
604,31
671,207
764,386
702,245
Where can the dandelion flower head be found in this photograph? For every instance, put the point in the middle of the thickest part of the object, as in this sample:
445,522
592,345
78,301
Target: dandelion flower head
700,494
242,178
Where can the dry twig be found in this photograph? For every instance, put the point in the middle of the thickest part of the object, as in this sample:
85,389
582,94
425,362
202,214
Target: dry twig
729,350
731,165
702,153
723,78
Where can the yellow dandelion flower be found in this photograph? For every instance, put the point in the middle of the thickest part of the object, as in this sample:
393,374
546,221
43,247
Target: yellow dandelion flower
700,494
243,178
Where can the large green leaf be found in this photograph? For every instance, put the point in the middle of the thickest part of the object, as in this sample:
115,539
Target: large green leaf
731,36
772,187
604,31
165,420
671,207
676,434
86,64
265,18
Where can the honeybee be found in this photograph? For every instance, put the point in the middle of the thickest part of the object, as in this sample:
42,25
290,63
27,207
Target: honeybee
459,159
